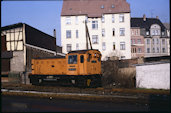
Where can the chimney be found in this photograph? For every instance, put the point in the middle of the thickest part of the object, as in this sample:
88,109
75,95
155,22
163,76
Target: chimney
144,17
157,17
54,33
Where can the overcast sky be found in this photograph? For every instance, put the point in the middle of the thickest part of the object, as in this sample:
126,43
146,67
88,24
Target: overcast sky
45,15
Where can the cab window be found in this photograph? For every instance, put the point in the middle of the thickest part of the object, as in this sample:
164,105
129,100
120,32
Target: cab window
89,57
72,59
81,59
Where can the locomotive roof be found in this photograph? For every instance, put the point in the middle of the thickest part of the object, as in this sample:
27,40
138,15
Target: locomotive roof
82,51
52,57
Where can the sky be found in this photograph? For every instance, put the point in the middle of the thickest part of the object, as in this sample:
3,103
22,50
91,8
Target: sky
45,15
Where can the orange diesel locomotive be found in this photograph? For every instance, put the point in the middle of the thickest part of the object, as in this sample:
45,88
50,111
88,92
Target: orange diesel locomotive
80,68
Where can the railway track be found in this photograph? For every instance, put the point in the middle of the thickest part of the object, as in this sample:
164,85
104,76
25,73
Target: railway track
99,90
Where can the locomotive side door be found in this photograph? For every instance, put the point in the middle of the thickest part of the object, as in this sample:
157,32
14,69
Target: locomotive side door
82,64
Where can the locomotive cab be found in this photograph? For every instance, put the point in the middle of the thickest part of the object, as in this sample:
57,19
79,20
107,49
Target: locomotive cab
84,62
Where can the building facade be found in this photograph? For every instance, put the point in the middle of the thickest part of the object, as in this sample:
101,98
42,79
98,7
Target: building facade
20,43
167,25
108,24
137,43
155,36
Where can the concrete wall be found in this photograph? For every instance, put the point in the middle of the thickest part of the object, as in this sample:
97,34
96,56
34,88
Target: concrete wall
153,76
17,62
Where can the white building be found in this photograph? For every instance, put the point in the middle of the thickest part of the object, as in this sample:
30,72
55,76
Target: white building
108,25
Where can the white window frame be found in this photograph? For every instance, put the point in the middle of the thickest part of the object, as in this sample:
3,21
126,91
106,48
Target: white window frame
103,46
148,50
147,33
113,32
76,20
163,50
121,18
122,46
122,31
77,46
114,46
157,50
68,33
139,41
163,41
139,50
113,18
77,36
103,32
148,41
95,24
95,39
153,50
68,20
69,47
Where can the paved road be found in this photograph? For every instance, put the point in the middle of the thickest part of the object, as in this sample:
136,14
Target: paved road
34,104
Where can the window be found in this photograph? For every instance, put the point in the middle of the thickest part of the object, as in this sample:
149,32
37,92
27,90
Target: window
76,33
103,46
121,18
163,41
72,59
95,39
153,41
157,41
68,33
113,45
148,50
162,33
103,19
157,50
133,41
103,32
68,20
76,20
139,41
122,57
68,47
122,31
113,32
163,50
153,50
139,50
136,32
133,50
81,59
147,33
77,46
148,41
102,7
113,18
155,32
122,45
94,24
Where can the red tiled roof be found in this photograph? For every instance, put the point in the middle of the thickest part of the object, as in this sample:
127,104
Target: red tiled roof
92,8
